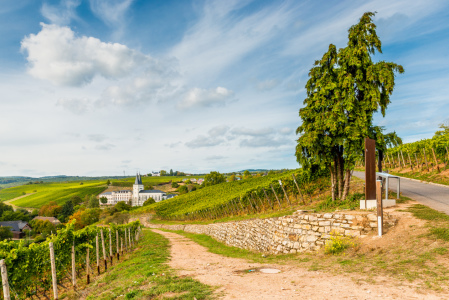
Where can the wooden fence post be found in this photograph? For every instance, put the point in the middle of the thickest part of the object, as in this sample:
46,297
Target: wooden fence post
126,241
403,161
129,237
116,239
121,244
410,160
417,162
5,283
53,271
110,245
279,202
399,160
297,186
73,265
380,217
97,250
88,265
104,250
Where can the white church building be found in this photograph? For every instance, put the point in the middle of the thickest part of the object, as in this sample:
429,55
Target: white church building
138,195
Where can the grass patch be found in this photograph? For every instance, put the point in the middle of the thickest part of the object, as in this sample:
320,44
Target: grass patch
146,275
426,213
440,233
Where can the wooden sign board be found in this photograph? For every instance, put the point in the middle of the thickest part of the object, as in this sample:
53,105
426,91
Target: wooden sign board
370,169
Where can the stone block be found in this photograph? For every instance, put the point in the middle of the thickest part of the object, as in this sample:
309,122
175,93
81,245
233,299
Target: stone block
372,217
321,229
373,224
311,238
349,217
324,223
296,245
327,215
352,232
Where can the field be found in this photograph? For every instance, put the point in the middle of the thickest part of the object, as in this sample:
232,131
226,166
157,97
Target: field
41,194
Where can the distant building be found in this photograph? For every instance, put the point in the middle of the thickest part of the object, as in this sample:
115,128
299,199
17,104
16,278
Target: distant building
52,220
155,173
17,228
137,196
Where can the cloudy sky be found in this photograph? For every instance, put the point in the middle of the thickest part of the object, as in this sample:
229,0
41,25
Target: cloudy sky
98,87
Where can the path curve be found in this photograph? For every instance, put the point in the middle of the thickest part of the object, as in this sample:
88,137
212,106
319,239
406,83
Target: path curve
30,209
432,195
191,259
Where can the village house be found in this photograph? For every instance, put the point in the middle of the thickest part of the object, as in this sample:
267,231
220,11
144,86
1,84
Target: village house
17,228
52,220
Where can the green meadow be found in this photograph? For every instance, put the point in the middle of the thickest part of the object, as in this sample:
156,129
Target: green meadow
37,195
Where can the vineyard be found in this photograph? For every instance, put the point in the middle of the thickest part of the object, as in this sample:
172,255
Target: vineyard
41,194
429,155
33,271
151,180
244,196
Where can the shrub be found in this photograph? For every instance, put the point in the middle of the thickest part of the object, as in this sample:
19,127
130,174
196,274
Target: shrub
149,201
337,244
174,185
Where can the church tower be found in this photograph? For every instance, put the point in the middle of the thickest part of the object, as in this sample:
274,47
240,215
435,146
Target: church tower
137,187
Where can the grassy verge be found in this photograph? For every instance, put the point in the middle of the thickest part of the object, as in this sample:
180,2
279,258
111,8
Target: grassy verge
146,275
439,225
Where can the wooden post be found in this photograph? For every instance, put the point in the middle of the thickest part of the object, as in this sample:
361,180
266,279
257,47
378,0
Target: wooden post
116,239
403,161
279,202
447,151
53,271
297,186
88,265
121,244
73,265
97,250
269,200
436,162
104,250
399,160
5,283
379,208
370,170
110,245
389,162
417,162
410,160
129,238
126,240
425,159
285,193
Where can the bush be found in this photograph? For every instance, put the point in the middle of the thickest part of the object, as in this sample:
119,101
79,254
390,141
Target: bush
183,190
149,201
337,244
174,185
39,239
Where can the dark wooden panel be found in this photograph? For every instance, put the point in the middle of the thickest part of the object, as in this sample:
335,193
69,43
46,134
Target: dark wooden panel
370,169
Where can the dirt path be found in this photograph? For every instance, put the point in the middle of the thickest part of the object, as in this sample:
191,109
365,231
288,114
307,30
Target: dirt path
30,209
292,282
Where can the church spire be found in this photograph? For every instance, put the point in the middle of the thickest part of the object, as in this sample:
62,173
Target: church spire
138,179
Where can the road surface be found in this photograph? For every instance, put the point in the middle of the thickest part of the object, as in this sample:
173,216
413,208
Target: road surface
434,196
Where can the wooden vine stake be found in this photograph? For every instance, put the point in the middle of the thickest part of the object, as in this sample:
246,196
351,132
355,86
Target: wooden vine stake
403,161
425,159
126,241
116,239
97,251
121,244
297,186
447,151
88,265
129,237
417,162
279,202
399,160
73,266
104,250
5,283
110,245
410,160
436,162
285,193
53,271
269,200
380,217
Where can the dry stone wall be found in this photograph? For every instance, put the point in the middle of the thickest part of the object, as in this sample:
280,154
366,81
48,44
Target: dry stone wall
302,231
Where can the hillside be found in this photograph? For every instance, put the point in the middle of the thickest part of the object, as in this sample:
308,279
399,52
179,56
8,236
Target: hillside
217,196
41,194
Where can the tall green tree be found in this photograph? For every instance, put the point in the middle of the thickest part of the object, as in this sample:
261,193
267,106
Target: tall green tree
213,178
344,90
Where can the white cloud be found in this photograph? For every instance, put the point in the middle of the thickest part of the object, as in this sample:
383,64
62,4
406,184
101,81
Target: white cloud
105,147
204,141
76,106
97,137
201,97
285,131
251,132
265,141
57,55
110,11
218,130
60,14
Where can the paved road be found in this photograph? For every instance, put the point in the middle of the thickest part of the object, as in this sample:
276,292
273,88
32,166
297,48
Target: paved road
434,196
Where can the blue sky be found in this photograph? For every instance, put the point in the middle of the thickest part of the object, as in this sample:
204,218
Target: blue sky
96,87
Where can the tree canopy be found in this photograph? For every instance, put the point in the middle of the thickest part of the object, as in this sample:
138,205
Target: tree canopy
214,178
344,90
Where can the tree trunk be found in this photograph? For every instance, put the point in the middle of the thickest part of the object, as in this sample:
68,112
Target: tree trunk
340,174
379,161
332,181
347,184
